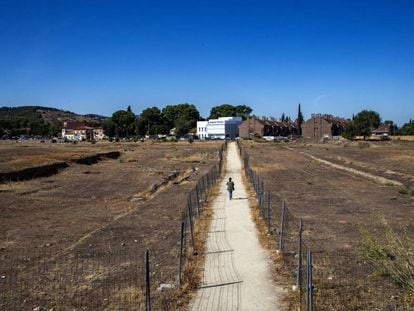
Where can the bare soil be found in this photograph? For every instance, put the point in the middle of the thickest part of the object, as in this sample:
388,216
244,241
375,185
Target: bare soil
77,238
333,204
391,159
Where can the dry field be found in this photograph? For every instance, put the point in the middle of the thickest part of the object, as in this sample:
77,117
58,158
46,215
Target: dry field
393,160
334,204
76,239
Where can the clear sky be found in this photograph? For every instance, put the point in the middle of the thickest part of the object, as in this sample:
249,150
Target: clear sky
336,57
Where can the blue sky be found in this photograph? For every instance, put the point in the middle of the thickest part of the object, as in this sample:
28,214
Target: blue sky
336,57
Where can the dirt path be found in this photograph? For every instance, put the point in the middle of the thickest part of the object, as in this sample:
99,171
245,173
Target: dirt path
376,178
237,269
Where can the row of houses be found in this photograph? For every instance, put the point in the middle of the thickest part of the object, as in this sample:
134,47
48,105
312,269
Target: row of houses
323,126
319,126
232,127
255,127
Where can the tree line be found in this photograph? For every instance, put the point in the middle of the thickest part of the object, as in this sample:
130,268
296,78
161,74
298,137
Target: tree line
177,120
182,119
366,120
24,121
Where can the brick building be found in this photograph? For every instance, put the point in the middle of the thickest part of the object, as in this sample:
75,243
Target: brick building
381,130
255,127
323,125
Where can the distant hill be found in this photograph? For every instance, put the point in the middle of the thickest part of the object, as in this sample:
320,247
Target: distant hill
38,120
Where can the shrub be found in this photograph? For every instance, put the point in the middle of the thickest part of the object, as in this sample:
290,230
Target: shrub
394,257
403,191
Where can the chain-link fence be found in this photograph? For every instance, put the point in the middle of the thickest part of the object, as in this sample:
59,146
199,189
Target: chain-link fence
324,279
97,277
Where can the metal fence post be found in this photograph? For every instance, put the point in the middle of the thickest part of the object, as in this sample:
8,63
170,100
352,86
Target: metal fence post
199,206
147,283
268,211
190,220
299,272
260,204
204,188
282,226
190,201
309,286
262,186
181,253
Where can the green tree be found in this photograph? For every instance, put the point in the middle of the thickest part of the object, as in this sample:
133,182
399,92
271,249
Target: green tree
393,127
124,122
300,120
183,117
151,122
53,130
349,131
183,127
230,111
37,127
407,128
364,121
109,128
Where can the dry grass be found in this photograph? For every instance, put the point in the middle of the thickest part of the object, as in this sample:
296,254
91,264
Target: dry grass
46,218
406,138
394,257
178,298
196,157
266,167
379,179
131,297
331,203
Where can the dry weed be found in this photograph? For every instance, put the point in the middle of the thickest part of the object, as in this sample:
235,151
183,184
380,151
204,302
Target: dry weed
262,167
178,298
196,157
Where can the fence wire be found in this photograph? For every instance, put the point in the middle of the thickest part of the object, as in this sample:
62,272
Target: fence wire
338,280
106,278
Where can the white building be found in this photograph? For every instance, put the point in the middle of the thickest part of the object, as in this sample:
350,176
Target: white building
221,128
79,131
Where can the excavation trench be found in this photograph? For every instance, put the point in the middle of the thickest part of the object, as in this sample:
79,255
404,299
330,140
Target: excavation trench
54,168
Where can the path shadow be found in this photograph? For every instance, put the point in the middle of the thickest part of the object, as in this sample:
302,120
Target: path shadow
240,198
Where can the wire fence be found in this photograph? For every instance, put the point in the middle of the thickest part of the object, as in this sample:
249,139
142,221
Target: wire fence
125,277
323,279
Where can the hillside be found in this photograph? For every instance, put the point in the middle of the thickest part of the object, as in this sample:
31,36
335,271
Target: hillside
38,120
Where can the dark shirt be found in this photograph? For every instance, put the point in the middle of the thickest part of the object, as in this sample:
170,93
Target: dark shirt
230,186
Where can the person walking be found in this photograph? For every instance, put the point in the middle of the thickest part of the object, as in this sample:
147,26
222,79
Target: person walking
230,188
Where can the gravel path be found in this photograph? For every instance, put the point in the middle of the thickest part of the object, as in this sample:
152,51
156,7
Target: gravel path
236,272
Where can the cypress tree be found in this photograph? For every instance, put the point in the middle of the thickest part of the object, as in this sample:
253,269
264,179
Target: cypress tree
300,120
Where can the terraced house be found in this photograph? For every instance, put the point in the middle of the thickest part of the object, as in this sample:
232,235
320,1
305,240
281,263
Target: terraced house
323,126
255,127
